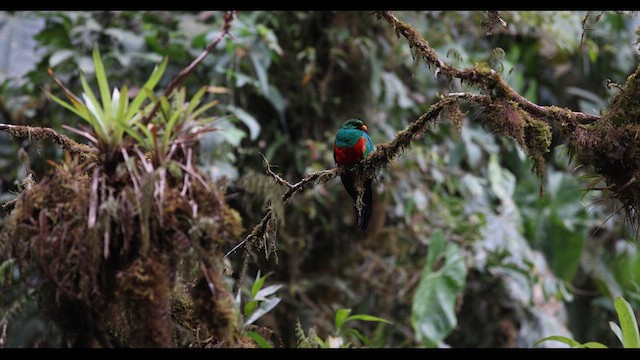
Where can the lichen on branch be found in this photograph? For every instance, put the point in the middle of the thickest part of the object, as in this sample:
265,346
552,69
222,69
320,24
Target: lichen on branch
45,133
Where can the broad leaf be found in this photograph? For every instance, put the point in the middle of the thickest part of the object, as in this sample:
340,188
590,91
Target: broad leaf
433,313
247,119
20,51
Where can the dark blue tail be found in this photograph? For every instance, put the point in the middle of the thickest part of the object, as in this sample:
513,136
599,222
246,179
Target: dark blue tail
364,217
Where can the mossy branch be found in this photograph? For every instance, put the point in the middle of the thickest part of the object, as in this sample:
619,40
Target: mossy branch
607,143
507,111
45,133
384,154
487,79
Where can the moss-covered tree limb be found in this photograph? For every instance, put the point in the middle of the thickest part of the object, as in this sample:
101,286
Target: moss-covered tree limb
608,144
487,79
507,113
45,133
383,155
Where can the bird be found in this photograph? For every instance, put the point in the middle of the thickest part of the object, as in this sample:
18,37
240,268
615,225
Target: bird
352,145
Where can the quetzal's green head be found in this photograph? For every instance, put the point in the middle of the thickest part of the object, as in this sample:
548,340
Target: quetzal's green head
354,124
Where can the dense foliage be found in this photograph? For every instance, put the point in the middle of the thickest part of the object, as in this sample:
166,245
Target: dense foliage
464,250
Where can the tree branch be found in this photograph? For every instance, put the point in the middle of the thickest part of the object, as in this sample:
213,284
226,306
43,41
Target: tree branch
486,79
368,168
40,133
521,119
228,19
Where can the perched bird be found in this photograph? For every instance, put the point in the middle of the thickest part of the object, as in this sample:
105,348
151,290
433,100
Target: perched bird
352,145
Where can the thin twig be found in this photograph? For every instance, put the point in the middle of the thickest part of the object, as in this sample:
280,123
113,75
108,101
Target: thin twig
228,19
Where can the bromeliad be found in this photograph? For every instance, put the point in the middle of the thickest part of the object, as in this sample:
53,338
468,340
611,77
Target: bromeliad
352,145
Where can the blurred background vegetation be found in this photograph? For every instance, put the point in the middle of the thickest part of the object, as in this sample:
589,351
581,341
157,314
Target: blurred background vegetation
463,251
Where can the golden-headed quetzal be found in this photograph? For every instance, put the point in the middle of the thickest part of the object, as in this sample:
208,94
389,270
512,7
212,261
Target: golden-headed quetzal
352,145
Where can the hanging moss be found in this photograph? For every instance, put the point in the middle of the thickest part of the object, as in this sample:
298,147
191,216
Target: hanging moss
533,135
611,147
503,117
537,140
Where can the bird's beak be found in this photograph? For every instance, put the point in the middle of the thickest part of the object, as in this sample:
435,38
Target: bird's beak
363,127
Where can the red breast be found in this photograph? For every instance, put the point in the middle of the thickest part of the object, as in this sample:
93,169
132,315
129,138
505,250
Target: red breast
350,155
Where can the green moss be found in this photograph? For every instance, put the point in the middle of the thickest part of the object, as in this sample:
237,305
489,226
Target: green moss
507,118
232,222
538,140
625,107
145,287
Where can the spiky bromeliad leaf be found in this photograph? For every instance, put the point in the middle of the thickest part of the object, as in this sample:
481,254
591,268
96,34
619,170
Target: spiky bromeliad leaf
103,84
114,115
142,95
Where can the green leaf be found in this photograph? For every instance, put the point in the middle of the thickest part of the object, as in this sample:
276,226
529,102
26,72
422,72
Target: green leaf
20,53
170,124
103,83
564,256
503,182
263,308
204,108
364,317
5,270
261,341
83,114
628,324
433,314
250,307
165,108
358,335
266,292
594,345
247,119
195,100
131,132
92,104
617,331
341,317
149,85
60,56
562,339
148,143
257,285
122,103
